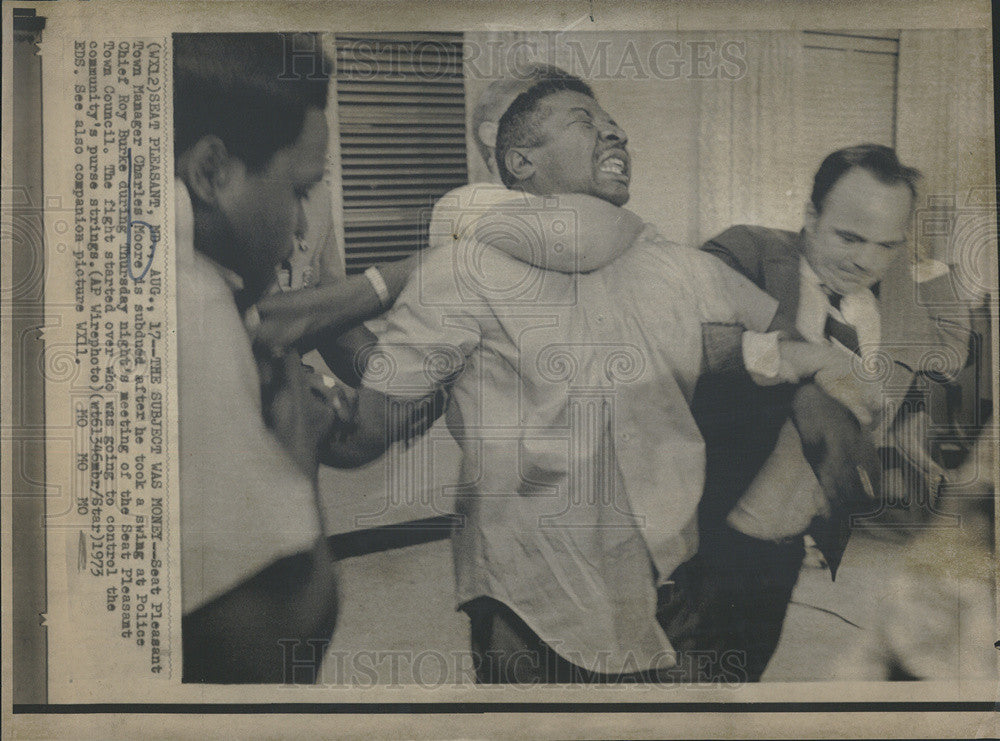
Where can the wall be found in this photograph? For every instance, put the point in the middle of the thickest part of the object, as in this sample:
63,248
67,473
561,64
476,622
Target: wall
728,127
945,128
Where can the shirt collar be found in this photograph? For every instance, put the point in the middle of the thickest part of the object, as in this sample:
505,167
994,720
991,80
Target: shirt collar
808,275
186,252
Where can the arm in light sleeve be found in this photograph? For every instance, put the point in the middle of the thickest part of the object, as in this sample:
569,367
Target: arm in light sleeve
569,233
430,334
756,343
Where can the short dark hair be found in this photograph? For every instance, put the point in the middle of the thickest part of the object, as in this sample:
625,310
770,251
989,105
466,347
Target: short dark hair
252,90
518,125
877,159
506,87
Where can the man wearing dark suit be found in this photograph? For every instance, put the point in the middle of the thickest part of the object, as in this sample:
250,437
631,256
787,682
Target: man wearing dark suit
786,460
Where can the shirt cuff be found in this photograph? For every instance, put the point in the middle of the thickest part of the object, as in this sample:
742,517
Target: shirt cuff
927,270
762,357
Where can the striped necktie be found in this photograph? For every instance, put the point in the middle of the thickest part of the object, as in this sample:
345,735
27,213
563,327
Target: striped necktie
840,331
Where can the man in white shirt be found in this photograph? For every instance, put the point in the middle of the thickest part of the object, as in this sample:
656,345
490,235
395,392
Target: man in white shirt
570,400
259,590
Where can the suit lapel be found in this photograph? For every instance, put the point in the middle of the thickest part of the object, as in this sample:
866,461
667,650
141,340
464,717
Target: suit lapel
781,276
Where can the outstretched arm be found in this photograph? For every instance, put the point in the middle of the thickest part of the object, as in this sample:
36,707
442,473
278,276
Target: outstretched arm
568,232
836,373
317,316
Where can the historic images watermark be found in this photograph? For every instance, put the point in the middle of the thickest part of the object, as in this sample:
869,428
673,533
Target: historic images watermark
594,59
962,230
434,669
604,59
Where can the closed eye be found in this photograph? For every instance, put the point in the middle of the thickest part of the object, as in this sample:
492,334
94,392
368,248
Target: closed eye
850,237
583,116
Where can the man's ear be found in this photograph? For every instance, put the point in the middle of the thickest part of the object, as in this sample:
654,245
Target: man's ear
206,169
811,217
487,133
519,164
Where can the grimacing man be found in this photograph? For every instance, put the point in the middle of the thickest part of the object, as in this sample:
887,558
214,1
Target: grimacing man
558,553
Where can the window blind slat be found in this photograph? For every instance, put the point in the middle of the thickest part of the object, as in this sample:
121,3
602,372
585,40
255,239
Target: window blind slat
401,111
378,163
383,203
404,179
384,85
377,118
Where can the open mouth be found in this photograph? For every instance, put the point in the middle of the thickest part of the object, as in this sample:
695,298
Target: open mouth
615,164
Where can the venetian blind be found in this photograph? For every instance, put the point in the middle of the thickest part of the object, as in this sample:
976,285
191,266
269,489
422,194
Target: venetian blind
401,109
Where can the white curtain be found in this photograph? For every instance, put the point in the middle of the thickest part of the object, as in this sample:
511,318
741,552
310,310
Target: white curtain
749,129
945,127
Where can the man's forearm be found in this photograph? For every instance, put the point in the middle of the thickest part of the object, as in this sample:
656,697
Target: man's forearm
575,232
345,354
296,317
380,421
768,357
801,360
311,316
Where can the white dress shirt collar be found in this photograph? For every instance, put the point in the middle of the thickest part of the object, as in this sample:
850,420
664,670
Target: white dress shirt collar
858,309
187,254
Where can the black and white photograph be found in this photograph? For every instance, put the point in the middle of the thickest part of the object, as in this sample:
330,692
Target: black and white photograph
663,463
491,363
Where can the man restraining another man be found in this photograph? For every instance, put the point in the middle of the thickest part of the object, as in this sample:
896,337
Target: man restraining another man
573,507
853,245
844,279
579,488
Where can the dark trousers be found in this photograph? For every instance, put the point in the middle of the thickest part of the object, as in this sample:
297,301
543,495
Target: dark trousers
272,628
506,651
729,601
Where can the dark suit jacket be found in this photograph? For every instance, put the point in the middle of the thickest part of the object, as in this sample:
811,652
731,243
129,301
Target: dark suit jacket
740,421
924,328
